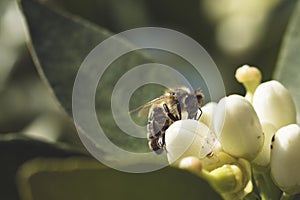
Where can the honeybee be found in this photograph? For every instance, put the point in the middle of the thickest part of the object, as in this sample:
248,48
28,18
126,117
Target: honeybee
168,108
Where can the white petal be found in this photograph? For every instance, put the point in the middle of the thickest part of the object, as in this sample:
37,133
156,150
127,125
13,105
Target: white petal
238,128
274,103
188,138
285,159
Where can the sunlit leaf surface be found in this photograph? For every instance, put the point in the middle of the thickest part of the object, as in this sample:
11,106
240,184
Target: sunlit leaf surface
288,66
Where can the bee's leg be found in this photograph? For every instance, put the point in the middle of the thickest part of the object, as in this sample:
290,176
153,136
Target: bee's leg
197,116
162,142
178,109
172,117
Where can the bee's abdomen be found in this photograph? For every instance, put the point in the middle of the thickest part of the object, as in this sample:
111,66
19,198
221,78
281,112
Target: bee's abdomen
158,123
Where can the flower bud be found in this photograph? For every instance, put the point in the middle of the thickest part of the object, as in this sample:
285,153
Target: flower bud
191,163
274,103
285,159
263,158
246,74
237,127
232,181
227,178
250,77
188,138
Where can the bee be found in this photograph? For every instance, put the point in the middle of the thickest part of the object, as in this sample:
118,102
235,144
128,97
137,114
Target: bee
168,108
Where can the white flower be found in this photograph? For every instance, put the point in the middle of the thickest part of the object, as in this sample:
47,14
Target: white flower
285,159
273,103
188,138
238,128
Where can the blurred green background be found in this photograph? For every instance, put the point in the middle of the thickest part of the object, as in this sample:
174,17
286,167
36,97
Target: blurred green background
40,153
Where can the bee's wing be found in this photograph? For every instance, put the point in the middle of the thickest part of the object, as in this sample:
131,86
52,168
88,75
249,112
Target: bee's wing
143,110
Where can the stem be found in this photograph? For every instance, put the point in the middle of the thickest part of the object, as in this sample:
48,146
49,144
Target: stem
286,196
267,189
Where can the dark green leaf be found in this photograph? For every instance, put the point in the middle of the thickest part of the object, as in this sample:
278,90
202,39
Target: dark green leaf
287,69
50,179
58,46
59,43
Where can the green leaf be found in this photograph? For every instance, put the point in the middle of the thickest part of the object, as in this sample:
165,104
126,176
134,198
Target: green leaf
50,179
287,69
59,43
15,149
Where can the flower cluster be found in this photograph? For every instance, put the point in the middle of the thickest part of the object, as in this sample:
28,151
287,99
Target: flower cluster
240,135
